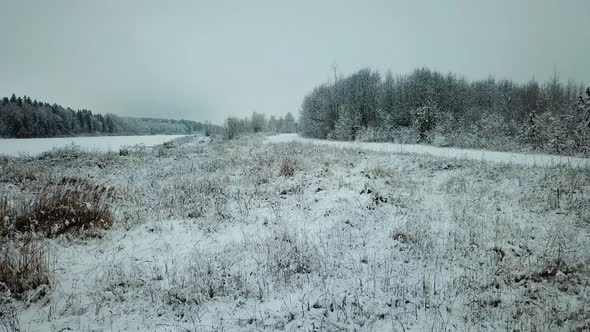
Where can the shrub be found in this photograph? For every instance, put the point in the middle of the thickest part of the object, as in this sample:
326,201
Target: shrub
71,204
375,134
72,151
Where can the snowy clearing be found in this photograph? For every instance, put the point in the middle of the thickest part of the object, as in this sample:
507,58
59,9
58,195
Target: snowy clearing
469,154
34,146
243,236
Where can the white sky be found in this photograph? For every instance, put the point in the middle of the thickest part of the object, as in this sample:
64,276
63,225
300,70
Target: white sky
205,60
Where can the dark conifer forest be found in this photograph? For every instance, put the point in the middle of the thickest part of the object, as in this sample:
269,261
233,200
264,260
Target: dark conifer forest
23,117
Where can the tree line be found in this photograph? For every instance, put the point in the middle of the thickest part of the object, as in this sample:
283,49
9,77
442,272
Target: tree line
427,106
258,122
21,117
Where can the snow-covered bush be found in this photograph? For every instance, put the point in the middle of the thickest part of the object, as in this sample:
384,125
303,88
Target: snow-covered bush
491,131
347,126
378,134
404,135
425,120
552,133
447,131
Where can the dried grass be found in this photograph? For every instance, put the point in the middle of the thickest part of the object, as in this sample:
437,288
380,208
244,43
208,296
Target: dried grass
24,265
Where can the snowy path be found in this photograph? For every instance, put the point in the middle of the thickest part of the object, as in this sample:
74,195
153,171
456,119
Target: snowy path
471,154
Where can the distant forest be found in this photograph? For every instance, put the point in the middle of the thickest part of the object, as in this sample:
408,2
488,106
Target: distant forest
21,117
258,122
426,106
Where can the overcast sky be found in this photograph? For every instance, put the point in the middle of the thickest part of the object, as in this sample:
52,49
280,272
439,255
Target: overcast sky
206,60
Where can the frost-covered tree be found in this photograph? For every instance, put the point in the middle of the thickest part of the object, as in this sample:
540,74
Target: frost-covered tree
347,126
425,118
361,91
231,128
318,116
391,103
554,93
584,107
272,125
258,122
553,132
289,125
394,106
582,128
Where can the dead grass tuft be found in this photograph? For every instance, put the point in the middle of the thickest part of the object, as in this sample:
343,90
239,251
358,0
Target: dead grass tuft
70,205
287,167
24,266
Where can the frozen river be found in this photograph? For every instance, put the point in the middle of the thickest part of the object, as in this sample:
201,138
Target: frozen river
33,146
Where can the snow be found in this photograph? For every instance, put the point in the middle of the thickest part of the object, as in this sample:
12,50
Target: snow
209,236
34,146
468,154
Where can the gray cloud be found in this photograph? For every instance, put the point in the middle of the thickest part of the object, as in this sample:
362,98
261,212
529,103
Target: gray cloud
206,60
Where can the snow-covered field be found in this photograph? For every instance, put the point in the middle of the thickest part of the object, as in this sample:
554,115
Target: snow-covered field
34,146
246,235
